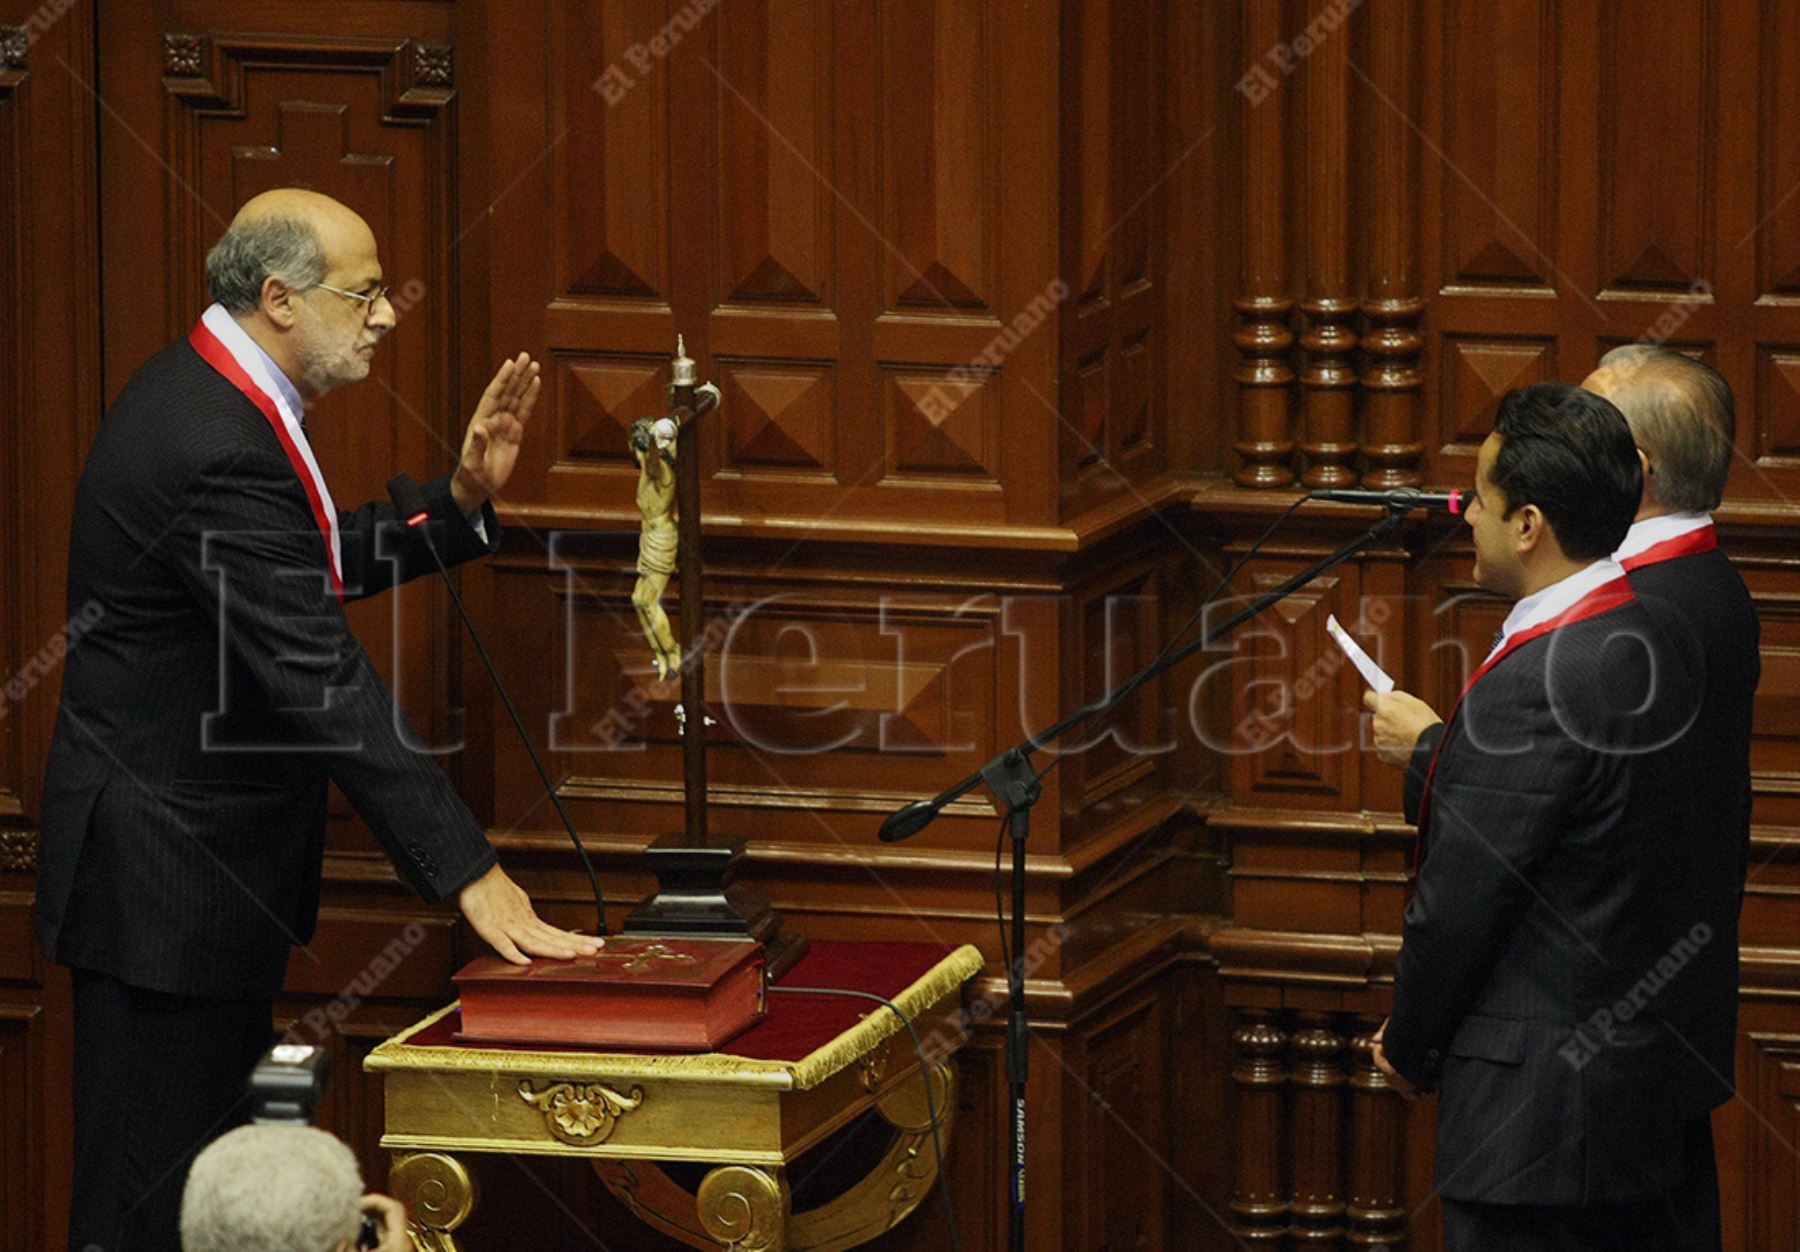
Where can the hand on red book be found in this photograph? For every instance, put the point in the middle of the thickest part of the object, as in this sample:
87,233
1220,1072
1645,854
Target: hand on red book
501,913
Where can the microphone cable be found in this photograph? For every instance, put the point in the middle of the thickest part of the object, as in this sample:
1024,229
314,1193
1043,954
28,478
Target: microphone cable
931,1111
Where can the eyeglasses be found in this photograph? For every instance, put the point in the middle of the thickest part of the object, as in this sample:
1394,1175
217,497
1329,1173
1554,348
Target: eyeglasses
365,298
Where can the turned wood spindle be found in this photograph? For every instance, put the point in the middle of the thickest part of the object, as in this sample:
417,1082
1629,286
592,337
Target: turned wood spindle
1258,1197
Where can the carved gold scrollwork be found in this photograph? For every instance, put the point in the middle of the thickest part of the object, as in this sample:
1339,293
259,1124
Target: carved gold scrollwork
744,1209
580,1113
875,1203
439,1194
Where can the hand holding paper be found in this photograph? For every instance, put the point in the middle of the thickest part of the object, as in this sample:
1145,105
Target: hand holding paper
1372,673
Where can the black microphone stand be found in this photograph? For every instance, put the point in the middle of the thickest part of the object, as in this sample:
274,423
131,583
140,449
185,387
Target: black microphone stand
1015,784
408,497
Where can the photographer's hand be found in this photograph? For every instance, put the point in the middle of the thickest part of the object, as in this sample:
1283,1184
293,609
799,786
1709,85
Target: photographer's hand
390,1222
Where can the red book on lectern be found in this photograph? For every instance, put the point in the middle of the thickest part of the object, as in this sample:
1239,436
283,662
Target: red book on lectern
680,994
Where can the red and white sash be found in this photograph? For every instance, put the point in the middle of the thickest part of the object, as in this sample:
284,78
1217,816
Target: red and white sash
1607,596
228,348
1697,537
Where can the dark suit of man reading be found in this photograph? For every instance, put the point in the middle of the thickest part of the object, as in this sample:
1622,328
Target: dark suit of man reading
218,692
1551,951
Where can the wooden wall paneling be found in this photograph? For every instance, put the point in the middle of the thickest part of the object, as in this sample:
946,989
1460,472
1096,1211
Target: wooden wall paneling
1327,376
1658,137
49,409
604,313
809,671
1295,704
947,371
19,634
1493,217
1775,737
1755,284
49,354
1116,1069
1113,179
1386,99
1264,374
26,1220
777,268
1117,630
1379,621
1769,1087
1201,228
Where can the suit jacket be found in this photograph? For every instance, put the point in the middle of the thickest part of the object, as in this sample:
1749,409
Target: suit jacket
1551,944
217,690
1703,610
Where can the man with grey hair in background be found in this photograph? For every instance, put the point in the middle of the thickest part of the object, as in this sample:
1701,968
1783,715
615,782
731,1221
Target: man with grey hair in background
283,1189
220,690
1684,420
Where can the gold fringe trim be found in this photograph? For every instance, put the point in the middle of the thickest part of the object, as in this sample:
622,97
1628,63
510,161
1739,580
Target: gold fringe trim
878,1025
943,979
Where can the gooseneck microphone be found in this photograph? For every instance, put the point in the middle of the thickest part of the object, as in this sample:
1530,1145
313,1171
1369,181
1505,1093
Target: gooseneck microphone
1400,498
410,500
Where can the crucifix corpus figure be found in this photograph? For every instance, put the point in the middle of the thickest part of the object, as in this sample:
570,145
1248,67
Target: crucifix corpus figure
653,444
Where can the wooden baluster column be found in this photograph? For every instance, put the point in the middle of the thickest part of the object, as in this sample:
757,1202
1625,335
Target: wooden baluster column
1264,374
1315,1135
1327,377
1258,1197
1375,1215
1393,440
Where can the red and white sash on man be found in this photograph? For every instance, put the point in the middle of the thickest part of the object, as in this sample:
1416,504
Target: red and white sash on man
1698,537
1607,596
228,348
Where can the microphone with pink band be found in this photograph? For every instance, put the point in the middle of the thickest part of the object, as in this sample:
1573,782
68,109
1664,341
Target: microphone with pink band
1401,499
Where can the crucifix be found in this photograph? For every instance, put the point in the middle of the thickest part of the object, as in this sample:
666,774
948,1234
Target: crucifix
697,897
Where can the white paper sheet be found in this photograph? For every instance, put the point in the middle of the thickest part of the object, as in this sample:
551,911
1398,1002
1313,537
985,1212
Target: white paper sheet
1372,673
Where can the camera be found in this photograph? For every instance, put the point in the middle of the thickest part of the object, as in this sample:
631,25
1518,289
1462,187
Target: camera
286,1088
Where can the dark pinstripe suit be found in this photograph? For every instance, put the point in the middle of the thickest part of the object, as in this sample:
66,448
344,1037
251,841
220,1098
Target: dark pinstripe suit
1563,847
1704,611
201,717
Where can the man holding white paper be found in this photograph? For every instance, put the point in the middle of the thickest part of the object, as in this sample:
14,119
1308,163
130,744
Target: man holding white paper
1559,842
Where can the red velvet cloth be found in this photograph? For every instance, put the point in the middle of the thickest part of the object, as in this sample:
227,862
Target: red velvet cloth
797,1025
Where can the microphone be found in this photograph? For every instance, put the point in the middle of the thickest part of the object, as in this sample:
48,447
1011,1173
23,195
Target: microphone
1400,498
908,821
410,500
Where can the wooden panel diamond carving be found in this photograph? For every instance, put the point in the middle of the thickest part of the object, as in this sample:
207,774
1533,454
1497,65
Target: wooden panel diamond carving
610,219
775,143
1476,373
937,426
597,398
1657,136
939,81
1500,178
778,417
